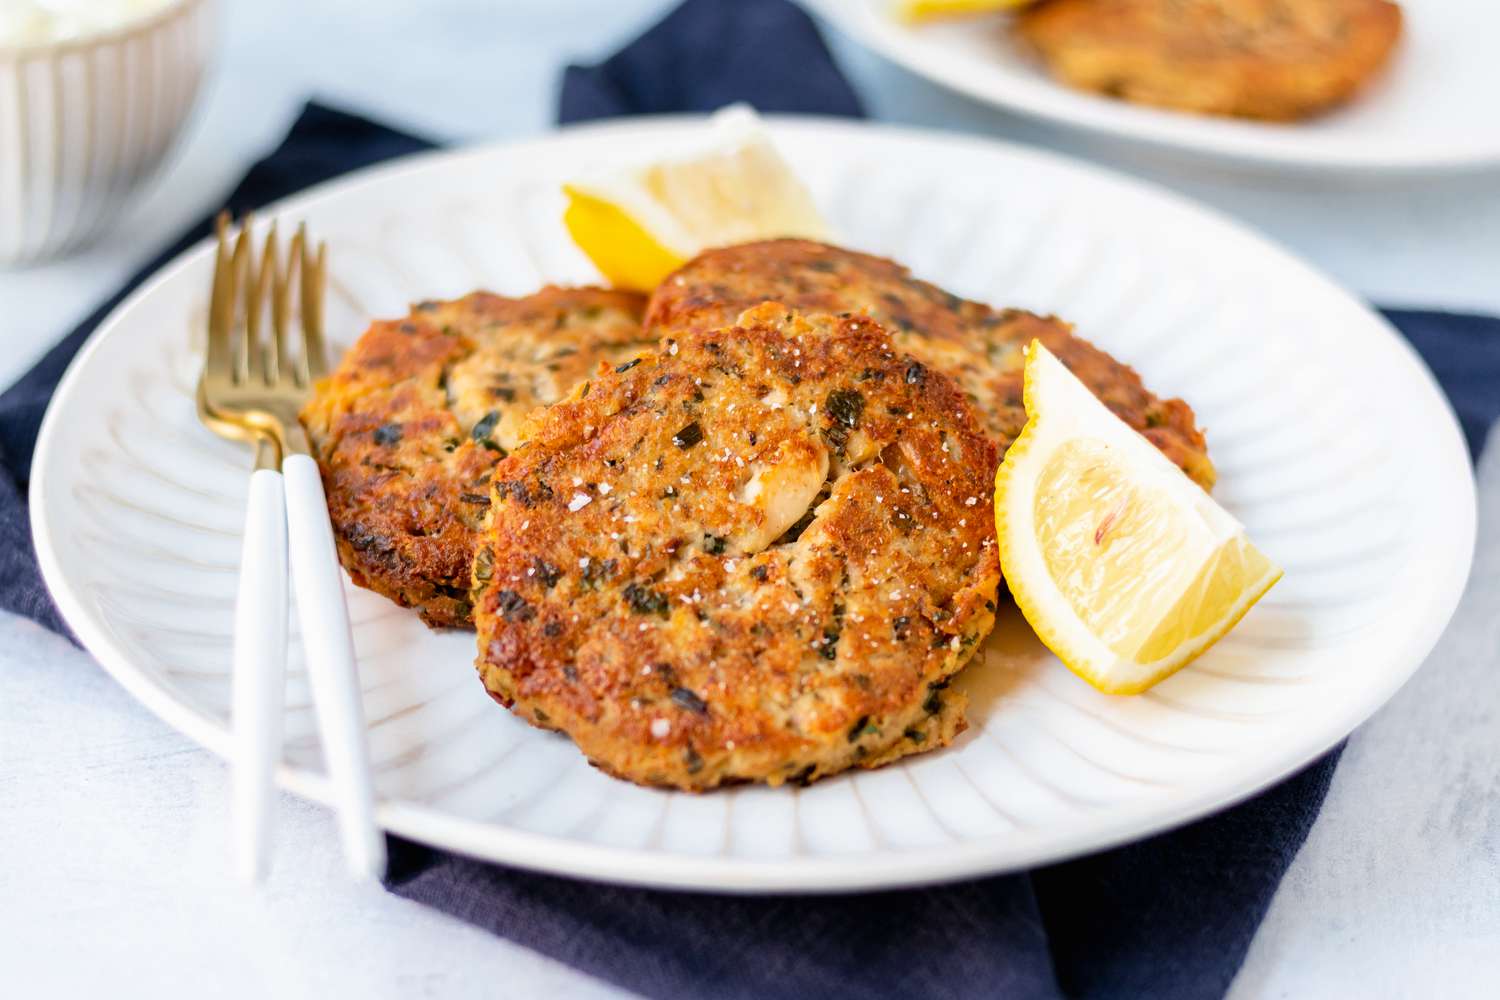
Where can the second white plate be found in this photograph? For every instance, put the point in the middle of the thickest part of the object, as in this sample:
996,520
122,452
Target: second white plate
1432,110
1333,444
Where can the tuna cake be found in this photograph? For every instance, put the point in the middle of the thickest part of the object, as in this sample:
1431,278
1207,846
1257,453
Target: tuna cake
420,409
759,554
976,344
1268,59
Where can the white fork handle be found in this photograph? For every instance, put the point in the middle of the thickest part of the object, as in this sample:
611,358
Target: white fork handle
328,646
259,671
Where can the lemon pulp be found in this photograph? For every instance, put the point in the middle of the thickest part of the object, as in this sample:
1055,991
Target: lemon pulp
1125,568
640,222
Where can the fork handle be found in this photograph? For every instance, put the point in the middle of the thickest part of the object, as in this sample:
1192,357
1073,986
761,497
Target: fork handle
328,645
259,671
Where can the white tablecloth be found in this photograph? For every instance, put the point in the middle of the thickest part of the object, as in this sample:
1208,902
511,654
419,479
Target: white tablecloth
113,829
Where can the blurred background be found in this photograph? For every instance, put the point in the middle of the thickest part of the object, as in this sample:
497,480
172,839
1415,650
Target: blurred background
466,71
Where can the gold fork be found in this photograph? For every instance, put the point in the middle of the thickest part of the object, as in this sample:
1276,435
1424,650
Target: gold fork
254,382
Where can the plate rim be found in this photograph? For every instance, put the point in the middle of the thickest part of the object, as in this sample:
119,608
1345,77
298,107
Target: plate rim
1172,131
865,871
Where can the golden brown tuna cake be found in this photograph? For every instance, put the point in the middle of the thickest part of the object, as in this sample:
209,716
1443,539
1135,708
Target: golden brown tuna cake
758,555
977,345
420,409
1271,59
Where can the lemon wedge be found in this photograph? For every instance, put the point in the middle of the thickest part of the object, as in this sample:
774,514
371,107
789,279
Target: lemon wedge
929,10
641,222
1125,568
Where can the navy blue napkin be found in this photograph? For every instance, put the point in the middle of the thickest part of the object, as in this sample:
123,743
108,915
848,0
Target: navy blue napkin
1167,917
709,53
322,144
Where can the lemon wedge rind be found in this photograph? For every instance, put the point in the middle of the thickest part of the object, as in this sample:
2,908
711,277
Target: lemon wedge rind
918,11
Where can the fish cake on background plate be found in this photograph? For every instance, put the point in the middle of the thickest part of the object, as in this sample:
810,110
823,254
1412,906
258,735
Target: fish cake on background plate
420,409
1271,59
981,347
756,555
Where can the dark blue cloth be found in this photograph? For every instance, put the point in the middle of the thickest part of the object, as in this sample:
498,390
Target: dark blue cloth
323,143
1168,917
1464,353
709,53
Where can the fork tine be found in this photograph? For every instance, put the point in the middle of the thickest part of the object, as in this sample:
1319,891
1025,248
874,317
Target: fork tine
219,359
288,296
314,278
287,365
275,279
246,320
258,290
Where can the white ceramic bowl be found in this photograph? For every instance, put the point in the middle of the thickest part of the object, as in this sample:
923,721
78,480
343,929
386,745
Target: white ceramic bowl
84,122
1333,444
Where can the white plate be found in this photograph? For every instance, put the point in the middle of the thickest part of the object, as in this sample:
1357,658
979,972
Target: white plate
1432,110
1333,444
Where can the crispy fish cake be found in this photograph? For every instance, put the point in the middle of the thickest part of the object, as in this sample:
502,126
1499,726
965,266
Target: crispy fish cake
758,555
1271,59
977,345
419,411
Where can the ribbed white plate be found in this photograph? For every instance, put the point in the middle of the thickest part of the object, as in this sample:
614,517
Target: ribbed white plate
1432,109
1332,441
